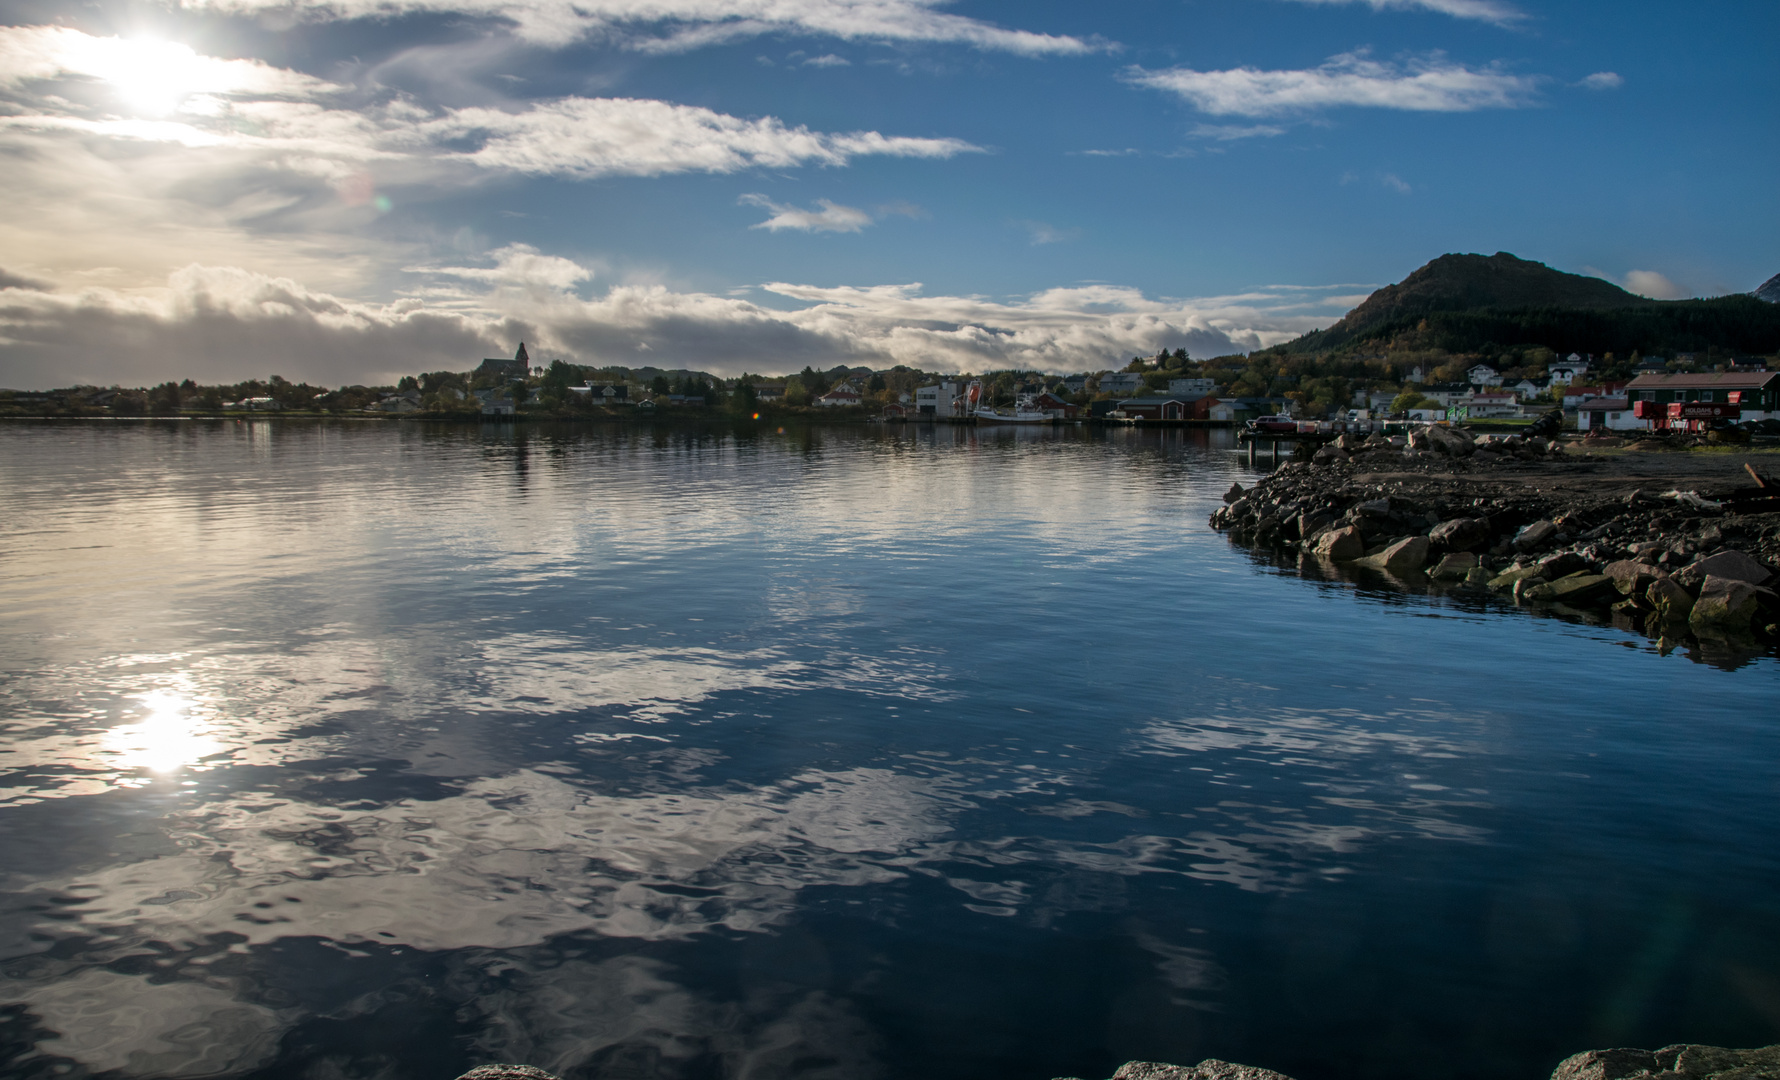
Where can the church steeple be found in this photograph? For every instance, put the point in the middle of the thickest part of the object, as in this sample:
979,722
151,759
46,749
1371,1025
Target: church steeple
522,357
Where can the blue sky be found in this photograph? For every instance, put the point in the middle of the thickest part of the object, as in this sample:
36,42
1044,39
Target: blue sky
344,190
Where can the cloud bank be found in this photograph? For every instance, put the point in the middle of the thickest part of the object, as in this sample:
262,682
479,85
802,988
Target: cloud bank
680,25
1427,84
225,323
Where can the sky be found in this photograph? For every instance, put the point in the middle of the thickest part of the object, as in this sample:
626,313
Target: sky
345,191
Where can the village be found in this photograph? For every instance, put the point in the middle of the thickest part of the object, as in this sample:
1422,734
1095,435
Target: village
1598,396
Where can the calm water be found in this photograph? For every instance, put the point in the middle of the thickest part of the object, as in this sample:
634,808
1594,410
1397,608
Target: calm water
383,751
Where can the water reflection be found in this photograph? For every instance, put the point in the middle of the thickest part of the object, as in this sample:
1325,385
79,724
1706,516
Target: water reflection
814,753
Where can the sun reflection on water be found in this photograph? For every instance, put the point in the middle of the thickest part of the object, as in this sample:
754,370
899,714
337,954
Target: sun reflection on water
172,734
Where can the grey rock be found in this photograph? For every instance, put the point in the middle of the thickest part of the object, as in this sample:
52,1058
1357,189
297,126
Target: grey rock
1402,556
1459,564
1460,534
1562,564
1209,1069
1533,536
1233,494
1329,455
1373,508
1671,601
1725,605
1633,577
1341,544
1726,564
1575,589
1680,1062
507,1072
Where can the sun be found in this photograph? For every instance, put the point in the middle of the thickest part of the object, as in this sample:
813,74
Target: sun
154,77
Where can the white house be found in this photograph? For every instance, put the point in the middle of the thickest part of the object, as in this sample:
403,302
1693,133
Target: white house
840,395
1121,382
1191,388
1611,414
941,400
1532,388
1568,370
1484,375
1484,405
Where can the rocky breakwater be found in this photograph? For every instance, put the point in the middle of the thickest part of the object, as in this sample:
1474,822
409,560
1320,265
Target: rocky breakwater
1530,522
1679,1062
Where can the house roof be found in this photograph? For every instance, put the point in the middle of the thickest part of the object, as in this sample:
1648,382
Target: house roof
1605,404
1726,380
1152,401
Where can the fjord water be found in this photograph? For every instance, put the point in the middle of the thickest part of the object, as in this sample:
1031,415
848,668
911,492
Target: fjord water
385,750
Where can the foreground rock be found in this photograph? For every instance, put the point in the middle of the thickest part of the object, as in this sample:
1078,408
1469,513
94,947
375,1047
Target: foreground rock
1540,528
1685,1061
1209,1069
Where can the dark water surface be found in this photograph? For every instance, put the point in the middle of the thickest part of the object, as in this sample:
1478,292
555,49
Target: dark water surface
337,750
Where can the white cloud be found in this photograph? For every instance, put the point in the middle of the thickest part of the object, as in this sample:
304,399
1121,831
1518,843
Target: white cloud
152,74
830,60
678,25
244,106
1042,233
518,265
832,217
1482,10
208,323
1395,183
1428,84
1602,80
1654,285
1228,132
590,137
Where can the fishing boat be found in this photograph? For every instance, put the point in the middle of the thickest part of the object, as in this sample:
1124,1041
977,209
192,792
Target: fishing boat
1023,411
1271,425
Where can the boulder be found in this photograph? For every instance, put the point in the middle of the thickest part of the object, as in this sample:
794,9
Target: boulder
1725,605
1671,601
1450,442
1341,544
1373,508
1329,455
1209,1069
1679,1062
1532,537
1459,564
1233,494
507,1072
1460,534
1562,564
1726,564
1523,589
1631,577
1418,440
1401,557
1309,524
1507,578
1575,589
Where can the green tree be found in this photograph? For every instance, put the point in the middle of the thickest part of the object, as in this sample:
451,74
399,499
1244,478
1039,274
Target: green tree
742,400
659,385
796,392
163,400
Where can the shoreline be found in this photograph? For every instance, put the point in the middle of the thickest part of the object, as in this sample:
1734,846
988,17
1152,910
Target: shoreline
1681,547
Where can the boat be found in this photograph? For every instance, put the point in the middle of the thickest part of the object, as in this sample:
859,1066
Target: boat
1021,413
1273,425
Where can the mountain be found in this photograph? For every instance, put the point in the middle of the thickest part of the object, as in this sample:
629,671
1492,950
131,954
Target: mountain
1769,291
1479,303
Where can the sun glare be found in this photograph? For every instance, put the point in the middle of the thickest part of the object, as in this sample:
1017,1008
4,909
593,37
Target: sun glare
155,76
167,738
